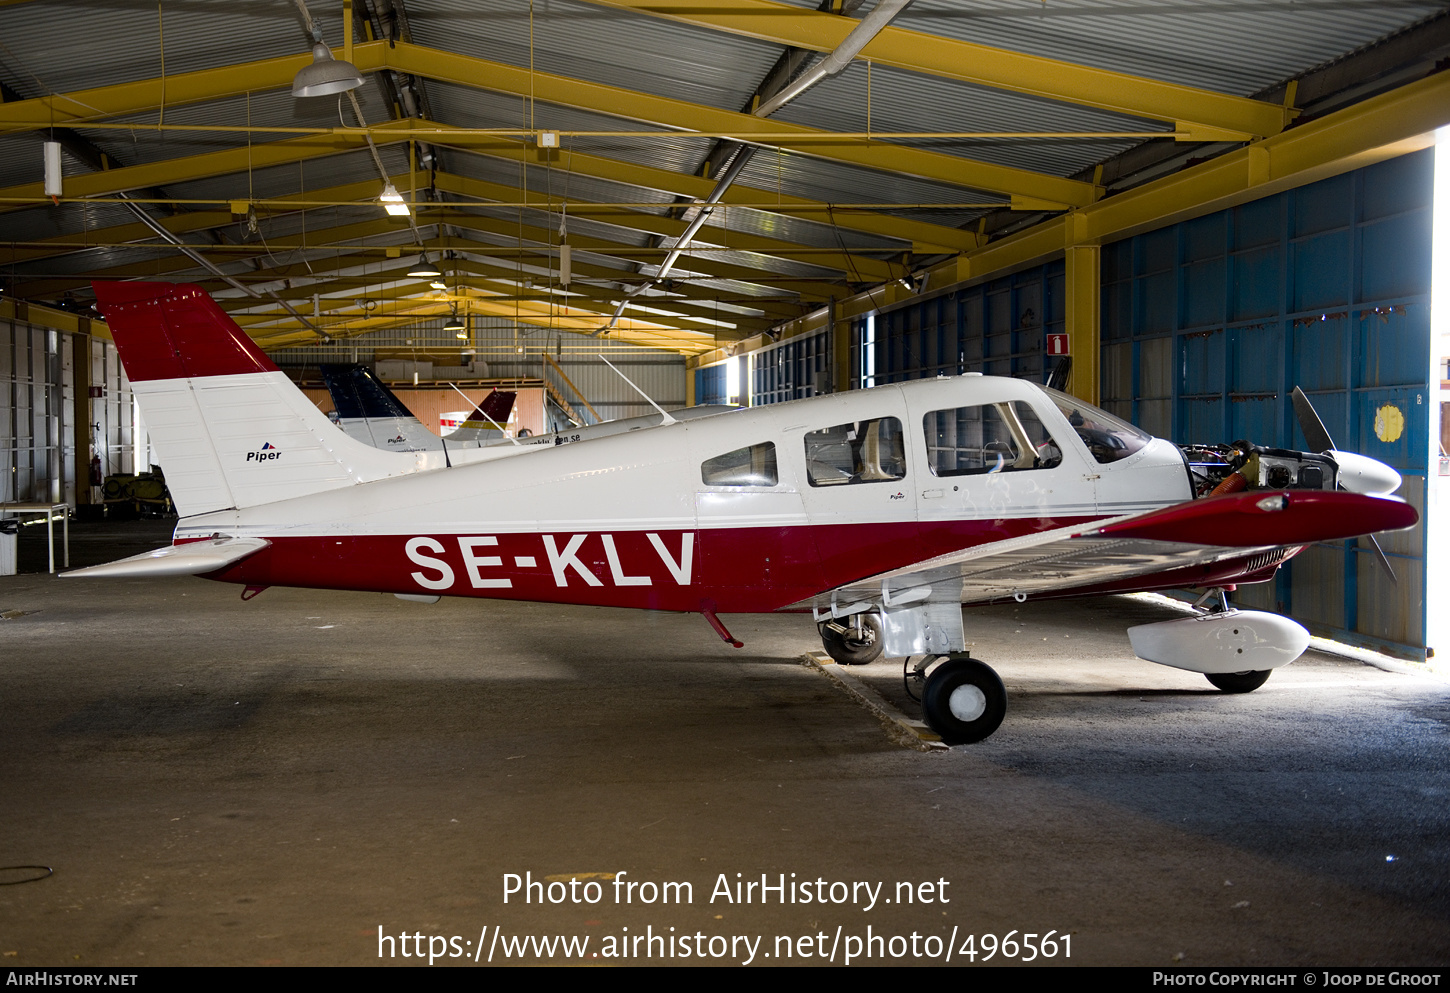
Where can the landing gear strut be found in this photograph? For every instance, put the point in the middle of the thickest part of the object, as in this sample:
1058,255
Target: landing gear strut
854,640
1230,682
964,700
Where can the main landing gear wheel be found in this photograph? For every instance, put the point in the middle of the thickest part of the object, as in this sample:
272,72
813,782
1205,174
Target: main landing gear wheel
853,648
1239,682
964,701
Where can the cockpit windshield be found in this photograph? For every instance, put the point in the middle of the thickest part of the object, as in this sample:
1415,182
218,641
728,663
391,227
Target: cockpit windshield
1108,438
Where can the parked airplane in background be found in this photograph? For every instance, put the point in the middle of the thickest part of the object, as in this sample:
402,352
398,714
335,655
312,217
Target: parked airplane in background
881,511
624,425
368,411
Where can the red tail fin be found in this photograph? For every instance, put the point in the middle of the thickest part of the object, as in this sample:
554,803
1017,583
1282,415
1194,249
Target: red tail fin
498,404
175,331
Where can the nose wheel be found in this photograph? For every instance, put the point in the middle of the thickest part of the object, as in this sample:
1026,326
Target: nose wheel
1239,682
964,700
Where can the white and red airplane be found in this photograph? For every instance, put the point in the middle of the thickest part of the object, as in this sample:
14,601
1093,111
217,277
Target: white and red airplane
881,511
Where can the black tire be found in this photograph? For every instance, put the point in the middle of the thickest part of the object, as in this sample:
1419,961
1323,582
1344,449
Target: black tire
964,701
1239,682
851,651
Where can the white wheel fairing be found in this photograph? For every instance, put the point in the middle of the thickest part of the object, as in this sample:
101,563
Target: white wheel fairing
1232,641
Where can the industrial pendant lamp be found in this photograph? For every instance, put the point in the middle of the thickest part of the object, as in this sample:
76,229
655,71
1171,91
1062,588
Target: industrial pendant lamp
392,201
424,268
326,75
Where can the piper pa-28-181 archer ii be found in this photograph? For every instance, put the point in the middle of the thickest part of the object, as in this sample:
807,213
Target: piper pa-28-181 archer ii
881,511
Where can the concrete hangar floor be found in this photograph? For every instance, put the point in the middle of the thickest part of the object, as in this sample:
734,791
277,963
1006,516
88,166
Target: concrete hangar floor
280,781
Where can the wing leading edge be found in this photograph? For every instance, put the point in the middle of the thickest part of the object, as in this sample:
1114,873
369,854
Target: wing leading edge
1089,557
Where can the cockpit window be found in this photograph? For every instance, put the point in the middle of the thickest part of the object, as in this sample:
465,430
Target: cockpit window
753,466
992,437
860,452
1107,437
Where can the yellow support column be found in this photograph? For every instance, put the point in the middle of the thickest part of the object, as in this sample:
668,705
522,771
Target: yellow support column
1084,320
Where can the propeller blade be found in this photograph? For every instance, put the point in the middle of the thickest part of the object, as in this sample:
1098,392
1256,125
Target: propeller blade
1315,433
1058,379
1358,473
1383,559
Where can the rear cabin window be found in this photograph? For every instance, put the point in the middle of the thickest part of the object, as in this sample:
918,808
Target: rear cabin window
992,437
859,452
753,466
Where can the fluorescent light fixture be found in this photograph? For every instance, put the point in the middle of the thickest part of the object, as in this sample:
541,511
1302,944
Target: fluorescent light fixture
392,202
53,176
326,75
424,267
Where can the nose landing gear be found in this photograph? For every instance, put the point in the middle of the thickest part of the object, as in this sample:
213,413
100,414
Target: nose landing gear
1239,682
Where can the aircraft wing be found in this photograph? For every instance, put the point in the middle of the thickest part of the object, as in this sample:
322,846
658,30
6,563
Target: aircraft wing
191,559
1085,556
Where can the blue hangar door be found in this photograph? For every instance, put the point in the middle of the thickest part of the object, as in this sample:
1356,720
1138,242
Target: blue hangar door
1207,326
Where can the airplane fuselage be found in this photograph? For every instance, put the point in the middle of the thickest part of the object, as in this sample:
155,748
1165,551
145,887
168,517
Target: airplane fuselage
881,510
648,520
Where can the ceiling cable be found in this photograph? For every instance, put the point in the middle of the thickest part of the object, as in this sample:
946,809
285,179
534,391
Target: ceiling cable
868,28
207,264
378,159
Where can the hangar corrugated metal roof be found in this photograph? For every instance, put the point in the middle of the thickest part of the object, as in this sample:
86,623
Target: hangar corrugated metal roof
601,45
1224,45
50,46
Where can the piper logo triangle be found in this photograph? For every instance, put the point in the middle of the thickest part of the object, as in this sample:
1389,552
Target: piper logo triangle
268,452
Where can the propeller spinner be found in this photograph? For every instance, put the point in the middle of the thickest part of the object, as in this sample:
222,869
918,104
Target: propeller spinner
1357,473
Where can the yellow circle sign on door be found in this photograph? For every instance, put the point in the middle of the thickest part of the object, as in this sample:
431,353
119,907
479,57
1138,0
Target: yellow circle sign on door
1389,423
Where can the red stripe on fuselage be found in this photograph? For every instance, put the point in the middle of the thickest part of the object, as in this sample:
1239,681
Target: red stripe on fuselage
743,570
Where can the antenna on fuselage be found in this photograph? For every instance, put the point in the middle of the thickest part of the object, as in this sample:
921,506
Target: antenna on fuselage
667,418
